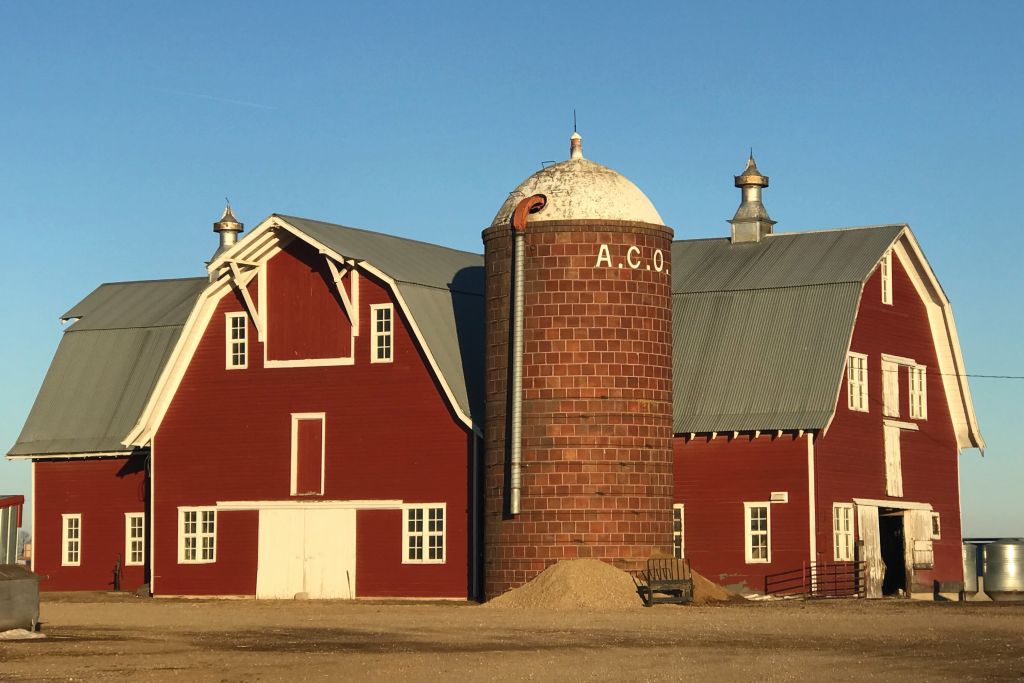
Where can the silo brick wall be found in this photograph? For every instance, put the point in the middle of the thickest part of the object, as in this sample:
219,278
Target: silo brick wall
597,397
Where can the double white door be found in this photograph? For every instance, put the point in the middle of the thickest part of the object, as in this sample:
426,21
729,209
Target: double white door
307,551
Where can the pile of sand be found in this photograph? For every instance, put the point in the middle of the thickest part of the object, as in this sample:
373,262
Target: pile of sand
592,584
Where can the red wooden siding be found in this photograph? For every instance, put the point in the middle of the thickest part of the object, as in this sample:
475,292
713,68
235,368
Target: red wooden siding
304,314
379,568
850,457
102,491
714,478
308,456
227,436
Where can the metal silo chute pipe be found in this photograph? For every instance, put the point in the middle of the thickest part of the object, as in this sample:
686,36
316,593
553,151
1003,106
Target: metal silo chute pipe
531,204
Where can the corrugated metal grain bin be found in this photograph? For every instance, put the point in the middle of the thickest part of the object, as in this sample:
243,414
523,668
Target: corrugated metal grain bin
19,598
1004,569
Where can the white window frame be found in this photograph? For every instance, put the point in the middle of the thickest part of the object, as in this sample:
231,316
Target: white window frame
199,535
424,534
375,334
918,392
129,538
66,540
936,526
886,268
748,533
296,418
857,381
842,532
679,536
230,340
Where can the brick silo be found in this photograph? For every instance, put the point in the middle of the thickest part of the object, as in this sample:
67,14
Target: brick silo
594,430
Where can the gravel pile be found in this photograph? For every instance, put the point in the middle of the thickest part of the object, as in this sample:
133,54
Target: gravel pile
592,584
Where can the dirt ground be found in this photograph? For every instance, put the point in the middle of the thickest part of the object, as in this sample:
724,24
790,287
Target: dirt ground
100,636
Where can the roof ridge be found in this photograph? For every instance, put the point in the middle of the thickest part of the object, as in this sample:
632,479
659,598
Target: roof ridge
377,233
797,233
767,289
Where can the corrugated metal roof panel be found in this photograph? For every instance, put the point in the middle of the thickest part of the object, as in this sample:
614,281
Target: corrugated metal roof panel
780,260
402,259
95,390
760,359
151,303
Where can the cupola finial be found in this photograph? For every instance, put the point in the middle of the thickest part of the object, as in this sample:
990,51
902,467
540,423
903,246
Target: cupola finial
575,145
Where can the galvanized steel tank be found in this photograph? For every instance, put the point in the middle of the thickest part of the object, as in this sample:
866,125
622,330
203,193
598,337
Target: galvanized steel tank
1004,569
971,568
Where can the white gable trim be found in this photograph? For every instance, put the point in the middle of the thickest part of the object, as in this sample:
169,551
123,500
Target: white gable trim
264,240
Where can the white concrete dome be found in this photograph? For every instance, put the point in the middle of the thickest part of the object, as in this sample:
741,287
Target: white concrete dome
580,189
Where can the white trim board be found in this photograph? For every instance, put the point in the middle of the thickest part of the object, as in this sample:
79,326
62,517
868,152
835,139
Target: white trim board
898,504
228,505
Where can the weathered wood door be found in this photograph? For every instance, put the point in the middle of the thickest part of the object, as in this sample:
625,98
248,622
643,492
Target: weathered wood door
867,530
306,551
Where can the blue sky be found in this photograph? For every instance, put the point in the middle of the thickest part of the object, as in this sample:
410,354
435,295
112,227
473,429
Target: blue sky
125,125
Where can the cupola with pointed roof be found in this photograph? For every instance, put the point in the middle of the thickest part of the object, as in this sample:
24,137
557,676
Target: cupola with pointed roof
228,228
751,221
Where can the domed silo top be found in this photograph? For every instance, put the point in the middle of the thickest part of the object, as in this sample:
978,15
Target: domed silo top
580,189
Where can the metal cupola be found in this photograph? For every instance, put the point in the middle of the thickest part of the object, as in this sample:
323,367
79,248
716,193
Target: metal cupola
751,221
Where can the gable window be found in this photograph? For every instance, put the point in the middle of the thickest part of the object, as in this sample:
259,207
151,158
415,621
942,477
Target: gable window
423,537
678,543
308,454
757,520
134,538
886,268
857,381
842,532
236,341
71,540
918,392
197,535
381,342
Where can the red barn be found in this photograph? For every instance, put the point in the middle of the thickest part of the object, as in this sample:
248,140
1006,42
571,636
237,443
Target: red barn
308,419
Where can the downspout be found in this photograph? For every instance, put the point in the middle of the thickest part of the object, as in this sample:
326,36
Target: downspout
531,204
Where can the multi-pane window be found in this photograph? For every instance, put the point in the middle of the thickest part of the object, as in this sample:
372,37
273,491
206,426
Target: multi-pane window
424,534
758,523
197,535
857,381
134,538
236,342
678,546
842,532
381,339
918,392
71,540
886,268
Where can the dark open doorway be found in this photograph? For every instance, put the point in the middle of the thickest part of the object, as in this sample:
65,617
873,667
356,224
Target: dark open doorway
890,534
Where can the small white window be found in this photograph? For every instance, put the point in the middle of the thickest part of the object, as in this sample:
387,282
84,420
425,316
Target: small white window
381,338
71,540
857,381
886,268
134,538
678,540
842,532
197,535
236,330
936,527
757,520
918,392
423,536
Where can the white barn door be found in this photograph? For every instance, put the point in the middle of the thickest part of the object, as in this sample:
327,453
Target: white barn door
867,526
306,551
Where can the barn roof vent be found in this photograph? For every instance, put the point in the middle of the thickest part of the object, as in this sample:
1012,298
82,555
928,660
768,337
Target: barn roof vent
228,228
751,221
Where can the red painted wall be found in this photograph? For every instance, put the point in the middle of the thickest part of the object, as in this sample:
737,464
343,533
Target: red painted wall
306,319
389,435
850,458
714,478
102,491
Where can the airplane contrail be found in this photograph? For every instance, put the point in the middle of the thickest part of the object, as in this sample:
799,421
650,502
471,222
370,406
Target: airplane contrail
214,98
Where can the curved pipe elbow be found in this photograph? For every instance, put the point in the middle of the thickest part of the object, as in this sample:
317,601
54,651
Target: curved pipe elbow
532,204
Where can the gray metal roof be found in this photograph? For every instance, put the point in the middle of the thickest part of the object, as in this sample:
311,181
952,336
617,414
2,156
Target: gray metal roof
761,329
106,366
443,289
